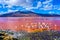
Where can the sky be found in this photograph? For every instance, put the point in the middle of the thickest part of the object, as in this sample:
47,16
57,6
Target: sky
37,6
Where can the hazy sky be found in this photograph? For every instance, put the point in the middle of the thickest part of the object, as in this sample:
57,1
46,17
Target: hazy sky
38,6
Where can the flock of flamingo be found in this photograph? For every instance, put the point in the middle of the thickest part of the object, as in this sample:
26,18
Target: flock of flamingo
28,24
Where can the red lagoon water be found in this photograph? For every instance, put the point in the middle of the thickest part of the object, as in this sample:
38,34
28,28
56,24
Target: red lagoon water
26,23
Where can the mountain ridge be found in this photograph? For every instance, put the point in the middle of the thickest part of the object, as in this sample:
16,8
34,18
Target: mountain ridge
28,14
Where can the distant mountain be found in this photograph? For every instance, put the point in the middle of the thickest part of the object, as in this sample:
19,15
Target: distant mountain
27,14
19,14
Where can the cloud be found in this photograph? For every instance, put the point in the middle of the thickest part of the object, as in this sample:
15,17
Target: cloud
58,8
51,12
18,3
38,5
27,5
47,1
47,5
